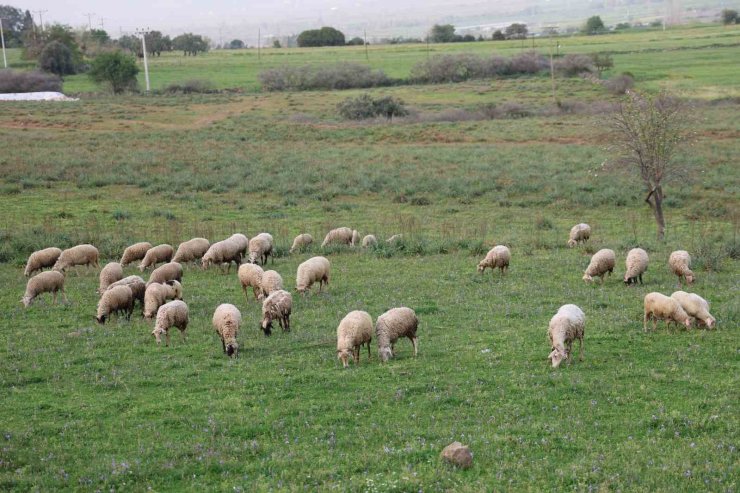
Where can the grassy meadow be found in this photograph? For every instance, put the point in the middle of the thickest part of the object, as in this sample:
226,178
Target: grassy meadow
89,407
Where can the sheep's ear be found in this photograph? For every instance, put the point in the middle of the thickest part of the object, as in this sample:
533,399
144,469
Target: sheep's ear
552,354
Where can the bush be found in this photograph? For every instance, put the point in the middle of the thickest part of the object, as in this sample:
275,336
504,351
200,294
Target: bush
326,36
58,59
356,41
464,66
34,81
571,65
620,84
365,106
116,69
193,86
313,77
729,16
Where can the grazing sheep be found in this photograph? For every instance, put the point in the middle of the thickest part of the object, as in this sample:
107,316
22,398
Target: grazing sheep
661,307
300,242
369,240
137,286
242,243
172,314
260,247
251,275
565,327
394,239
226,320
315,269
276,306
156,255
111,273
116,299
393,324
342,236
355,238
77,255
171,271
602,263
498,256
355,329
695,306
157,295
580,233
680,263
223,252
271,281
191,250
637,264
45,282
135,252
41,259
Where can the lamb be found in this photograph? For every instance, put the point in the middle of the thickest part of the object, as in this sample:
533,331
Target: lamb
394,239
602,263
342,236
171,271
157,294
116,299
637,264
661,307
45,282
369,241
242,243
226,320
393,324
223,252
271,281
680,264
172,314
566,326
301,242
250,275
111,273
276,306
580,233
498,256
137,286
315,269
260,247
695,306
191,250
355,238
135,252
355,329
77,255
41,259
156,255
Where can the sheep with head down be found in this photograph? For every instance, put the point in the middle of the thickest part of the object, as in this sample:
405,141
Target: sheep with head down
369,241
223,252
315,269
242,243
278,306
392,325
580,233
250,275
355,329
661,307
695,306
112,272
191,250
77,255
680,264
172,314
156,255
301,242
566,326
137,286
498,256
171,271
41,259
118,299
271,281
226,320
602,263
338,236
135,252
157,294
637,264
45,282
260,247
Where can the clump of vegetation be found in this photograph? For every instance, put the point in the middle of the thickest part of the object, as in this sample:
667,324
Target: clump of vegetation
116,69
465,66
730,16
620,84
574,64
365,106
57,58
326,36
315,77
192,86
28,81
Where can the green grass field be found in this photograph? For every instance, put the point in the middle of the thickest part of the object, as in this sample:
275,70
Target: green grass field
89,407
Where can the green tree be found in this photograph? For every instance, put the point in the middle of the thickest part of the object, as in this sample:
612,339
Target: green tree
57,58
356,41
498,35
156,43
276,43
729,16
602,61
516,31
116,69
190,44
16,23
442,33
594,25
129,43
326,36
236,44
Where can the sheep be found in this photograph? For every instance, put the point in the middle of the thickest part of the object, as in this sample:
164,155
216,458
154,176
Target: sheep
137,286
637,264
226,320
250,275
393,324
135,252
355,329
315,269
242,243
695,306
661,307
157,294
115,299
191,250
271,281
566,326
680,264
602,263
77,255
369,241
342,236
276,306
300,242
111,273
40,259
223,252
172,314
171,271
579,233
260,247
394,239
45,282
355,238
156,255
498,256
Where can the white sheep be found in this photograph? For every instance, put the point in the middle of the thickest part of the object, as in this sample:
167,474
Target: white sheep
695,306
135,252
157,255
680,264
41,259
271,281
223,252
566,326
301,242
355,238
394,239
580,233
637,264
157,294
191,250
661,307
226,320
602,263
77,255
498,256
260,247
277,306
342,236
355,329
172,314
137,286
171,271
242,243
369,241
393,324
45,282
116,299
315,269
112,272
250,275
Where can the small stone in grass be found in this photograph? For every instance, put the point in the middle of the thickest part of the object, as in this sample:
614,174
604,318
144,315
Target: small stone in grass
458,455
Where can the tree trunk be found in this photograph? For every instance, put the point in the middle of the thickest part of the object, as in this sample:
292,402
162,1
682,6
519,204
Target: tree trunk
656,204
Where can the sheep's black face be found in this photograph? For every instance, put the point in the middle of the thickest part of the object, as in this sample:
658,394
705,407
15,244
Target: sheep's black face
101,320
266,327
232,350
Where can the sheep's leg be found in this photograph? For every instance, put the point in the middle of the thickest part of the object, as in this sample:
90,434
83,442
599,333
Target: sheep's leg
244,288
167,338
368,348
64,295
54,297
640,277
223,345
415,343
580,347
356,354
287,323
645,321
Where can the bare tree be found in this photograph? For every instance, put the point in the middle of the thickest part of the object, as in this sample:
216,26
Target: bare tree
648,131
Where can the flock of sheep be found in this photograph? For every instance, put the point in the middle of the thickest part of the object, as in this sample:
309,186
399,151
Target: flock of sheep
161,296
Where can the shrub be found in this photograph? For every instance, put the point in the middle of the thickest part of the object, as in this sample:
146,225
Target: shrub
464,66
116,69
729,16
193,86
356,41
326,36
34,81
365,106
594,25
571,65
313,77
57,58
620,84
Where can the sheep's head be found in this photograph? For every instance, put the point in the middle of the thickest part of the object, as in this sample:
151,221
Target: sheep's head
344,355
385,354
627,279
177,289
572,243
587,278
101,319
157,333
232,349
26,300
690,277
557,356
266,325
481,267
204,263
709,322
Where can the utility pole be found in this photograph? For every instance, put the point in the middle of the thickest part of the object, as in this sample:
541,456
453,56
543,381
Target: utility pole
367,56
89,19
2,38
102,24
41,17
552,73
143,33
259,44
